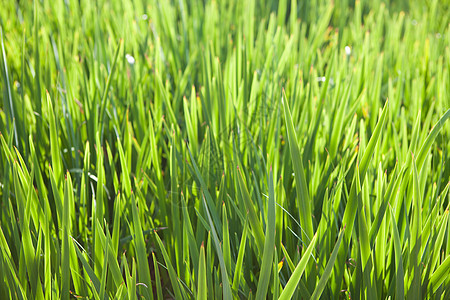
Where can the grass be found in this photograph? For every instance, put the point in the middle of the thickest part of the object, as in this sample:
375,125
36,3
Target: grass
224,149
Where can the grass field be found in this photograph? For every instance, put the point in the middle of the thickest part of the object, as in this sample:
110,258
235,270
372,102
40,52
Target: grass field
224,149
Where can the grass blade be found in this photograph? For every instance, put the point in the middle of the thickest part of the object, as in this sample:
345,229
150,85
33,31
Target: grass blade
269,243
202,287
291,285
300,179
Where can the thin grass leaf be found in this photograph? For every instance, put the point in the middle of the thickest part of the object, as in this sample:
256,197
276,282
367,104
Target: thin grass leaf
157,278
240,259
252,216
141,254
269,243
399,281
225,281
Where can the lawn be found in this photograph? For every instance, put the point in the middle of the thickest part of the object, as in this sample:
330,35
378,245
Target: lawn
224,149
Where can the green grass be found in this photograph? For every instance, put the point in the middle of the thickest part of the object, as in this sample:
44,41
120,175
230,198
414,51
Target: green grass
224,149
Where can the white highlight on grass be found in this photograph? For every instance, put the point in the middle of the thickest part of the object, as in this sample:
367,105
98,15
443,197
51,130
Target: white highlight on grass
144,17
323,79
130,59
348,50
65,150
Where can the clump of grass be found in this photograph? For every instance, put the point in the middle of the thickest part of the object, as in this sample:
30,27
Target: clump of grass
224,149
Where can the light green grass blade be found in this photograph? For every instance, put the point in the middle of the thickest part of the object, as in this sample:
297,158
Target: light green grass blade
157,278
351,207
65,254
399,286
125,170
141,254
54,143
328,269
206,193
171,270
226,239
240,258
269,243
414,290
300,179
87,268
430,139
225,280
202,288
108,85
252,216
291,285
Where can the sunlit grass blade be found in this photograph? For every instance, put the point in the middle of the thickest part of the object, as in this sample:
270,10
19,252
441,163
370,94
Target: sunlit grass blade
225,280
87,268
65,259
291,285
171,270
206,194
399,281
351,207
328,269
54,143
430,139
252,216
226,239
157,278
416,237
108,84
202,288
141,254
240,258
302,189
269,243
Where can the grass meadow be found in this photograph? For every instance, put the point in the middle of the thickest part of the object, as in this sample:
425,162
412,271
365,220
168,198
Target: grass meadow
224,149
